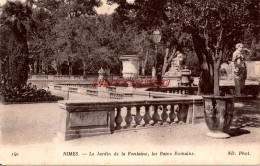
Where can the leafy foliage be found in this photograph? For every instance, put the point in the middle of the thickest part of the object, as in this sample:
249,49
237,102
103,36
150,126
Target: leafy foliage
27,93
71,33
214,27
15,22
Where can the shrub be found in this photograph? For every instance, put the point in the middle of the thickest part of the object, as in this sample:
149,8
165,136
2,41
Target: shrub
27,94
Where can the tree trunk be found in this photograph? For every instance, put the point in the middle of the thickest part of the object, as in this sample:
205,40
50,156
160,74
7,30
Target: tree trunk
38,65
206,83
58,68
144,62
84,69
58,61
216,79
70,69
165,62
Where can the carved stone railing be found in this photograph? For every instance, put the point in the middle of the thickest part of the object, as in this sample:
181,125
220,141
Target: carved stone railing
110,88
105,93
113,93
55,77
252,90
190,90
89,86
86,118
116,95
249,90
92,92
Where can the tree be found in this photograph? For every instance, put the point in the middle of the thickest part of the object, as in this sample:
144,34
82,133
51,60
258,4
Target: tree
42,40
214,27
44,45
151,15
77,38
15,22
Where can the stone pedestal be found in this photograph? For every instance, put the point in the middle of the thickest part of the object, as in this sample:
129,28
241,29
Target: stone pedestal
174,75
130,66
186,77
79,120
174,81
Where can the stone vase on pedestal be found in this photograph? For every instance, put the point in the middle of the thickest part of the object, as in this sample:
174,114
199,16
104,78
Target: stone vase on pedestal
218,114
130,66
186,79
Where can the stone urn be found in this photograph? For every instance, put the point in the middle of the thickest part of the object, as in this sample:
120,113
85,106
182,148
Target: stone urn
186,79
130,66
218,114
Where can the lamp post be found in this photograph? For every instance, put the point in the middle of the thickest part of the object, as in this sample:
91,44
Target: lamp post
156,39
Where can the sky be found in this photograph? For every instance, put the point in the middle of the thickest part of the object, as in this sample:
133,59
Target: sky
104,9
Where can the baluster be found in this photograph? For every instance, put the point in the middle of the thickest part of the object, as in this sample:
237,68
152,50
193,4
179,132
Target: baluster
156,116
147,116
118,119
176,110
112,120
172,114
182,113
138,117
164,115
128,118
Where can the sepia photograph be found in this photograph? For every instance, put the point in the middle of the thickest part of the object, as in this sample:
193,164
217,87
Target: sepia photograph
129,82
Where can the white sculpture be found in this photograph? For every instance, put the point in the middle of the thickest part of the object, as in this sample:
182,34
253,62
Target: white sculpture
176,65
179,60
153,72
240,71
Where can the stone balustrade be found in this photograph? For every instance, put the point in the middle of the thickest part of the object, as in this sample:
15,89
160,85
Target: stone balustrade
91,92
55,77
106,93
105,116
190,90
111,92
250,89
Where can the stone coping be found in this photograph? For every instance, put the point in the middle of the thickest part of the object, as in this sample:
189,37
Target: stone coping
113,102
219,97
134,92
129,57
160,94
171,77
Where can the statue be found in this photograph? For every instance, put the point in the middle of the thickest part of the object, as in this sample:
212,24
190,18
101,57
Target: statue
176,65
240,72
31,68
153,72
101,73
179,60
